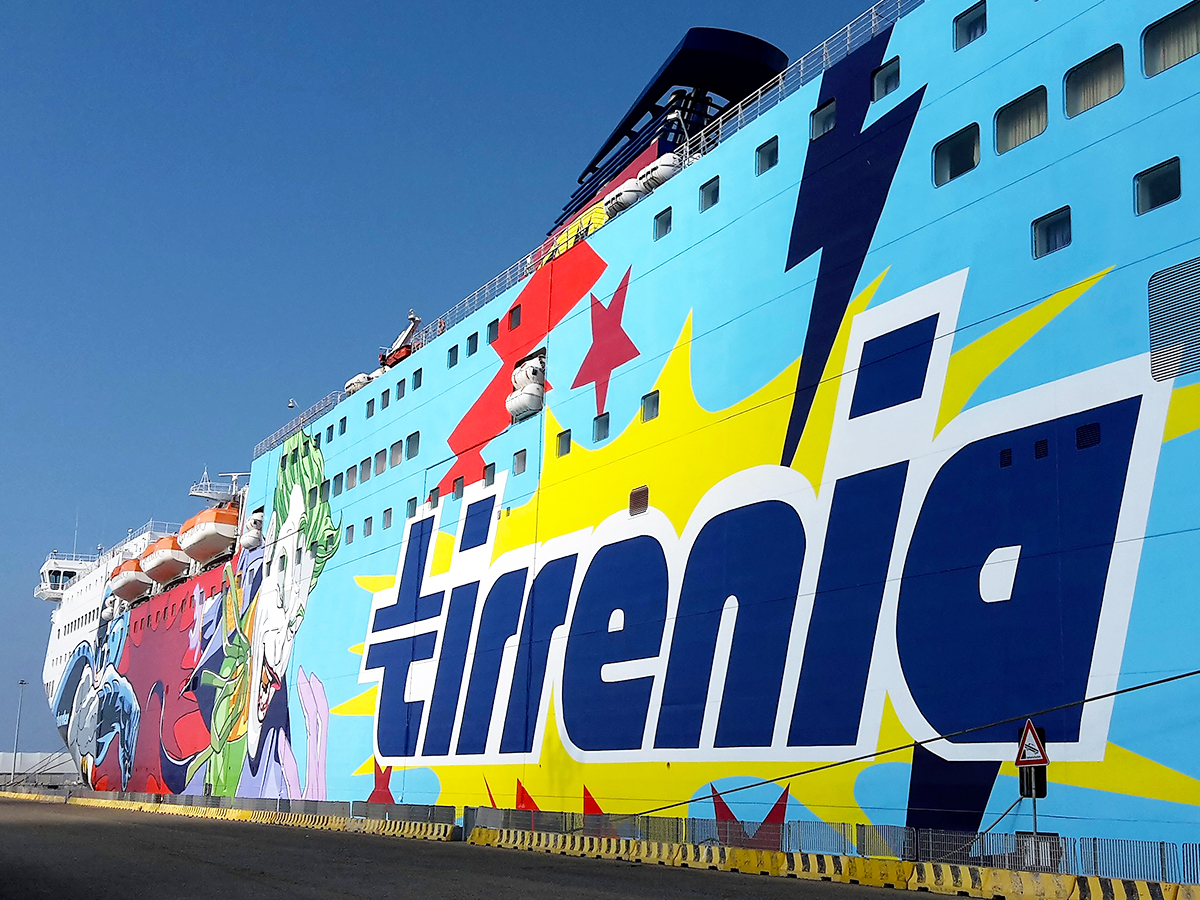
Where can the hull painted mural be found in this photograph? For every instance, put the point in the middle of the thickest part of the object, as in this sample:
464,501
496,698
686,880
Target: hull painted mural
836,484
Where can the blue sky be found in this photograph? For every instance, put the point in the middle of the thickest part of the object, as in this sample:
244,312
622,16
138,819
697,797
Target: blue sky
208,209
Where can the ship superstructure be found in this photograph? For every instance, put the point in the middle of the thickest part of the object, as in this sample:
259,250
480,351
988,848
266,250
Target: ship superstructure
847,415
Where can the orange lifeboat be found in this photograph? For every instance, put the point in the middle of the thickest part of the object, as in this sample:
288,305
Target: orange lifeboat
208,534
164,560
128,581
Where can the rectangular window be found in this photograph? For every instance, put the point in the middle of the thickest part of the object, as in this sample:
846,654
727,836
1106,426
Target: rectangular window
351,477
317,441
368,525
472,343
1052,232
564,442
337,484
514,317
329,434
385,398
400,385
650,406
312,497
452,357
1021,121
1171,40
349,534
518,465
766,156
662,224
412,445
956,155
1157,186
1095,80
387,518
364,470
489,474
397,452
410,508
970,25
380,462
370,408
600,427
434,496
342,425
822,119
493,331
325,490
417,378
710,193
885,79
458,487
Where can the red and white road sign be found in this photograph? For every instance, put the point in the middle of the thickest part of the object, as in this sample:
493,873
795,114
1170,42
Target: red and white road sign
1031,751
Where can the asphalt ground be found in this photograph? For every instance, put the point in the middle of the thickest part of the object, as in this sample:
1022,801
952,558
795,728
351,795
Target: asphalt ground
84,853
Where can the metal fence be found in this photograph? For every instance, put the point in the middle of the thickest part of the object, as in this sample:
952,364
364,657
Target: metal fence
1107,857
404,812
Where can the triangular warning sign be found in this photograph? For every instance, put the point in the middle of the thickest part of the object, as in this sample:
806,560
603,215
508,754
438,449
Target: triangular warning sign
1031,751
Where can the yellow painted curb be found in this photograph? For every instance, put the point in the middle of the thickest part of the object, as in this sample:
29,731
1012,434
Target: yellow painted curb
953,880
1089,887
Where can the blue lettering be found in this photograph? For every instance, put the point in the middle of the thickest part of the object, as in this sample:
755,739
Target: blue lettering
630,577
753,553
841,634
497,624
398,722
451,660
545,611
410,606
968,662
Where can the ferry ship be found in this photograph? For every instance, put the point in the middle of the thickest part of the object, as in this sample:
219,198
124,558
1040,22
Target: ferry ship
848,418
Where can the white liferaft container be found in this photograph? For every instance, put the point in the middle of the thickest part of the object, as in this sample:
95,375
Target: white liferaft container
660,171
525,402
623,196
532,371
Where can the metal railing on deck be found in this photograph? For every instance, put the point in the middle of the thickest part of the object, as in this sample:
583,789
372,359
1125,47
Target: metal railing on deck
314,412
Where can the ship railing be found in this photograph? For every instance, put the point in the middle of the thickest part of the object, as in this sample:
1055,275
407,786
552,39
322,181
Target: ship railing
314,412
153,526
807,68
72,557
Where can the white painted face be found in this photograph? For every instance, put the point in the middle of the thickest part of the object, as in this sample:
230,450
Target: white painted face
282,598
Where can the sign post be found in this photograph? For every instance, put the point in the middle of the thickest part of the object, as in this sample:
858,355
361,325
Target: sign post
1031,762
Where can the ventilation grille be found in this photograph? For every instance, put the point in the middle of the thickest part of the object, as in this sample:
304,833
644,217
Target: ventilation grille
639,500
1087,435
1175,320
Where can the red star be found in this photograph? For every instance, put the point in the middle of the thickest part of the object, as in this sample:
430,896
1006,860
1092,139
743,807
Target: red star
611,346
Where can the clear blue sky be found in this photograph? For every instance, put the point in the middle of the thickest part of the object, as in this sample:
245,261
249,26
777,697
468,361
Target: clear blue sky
207,209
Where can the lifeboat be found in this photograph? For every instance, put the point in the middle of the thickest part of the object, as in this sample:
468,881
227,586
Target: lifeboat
207,535
164,561
128,581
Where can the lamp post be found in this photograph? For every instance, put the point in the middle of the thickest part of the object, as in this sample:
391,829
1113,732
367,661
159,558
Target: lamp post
17,732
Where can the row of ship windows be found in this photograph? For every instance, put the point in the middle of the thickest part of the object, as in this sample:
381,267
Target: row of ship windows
75,624
189,602
1166,43
408,448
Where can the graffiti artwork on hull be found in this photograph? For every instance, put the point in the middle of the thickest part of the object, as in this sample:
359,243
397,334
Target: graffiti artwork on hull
758,616
188,692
